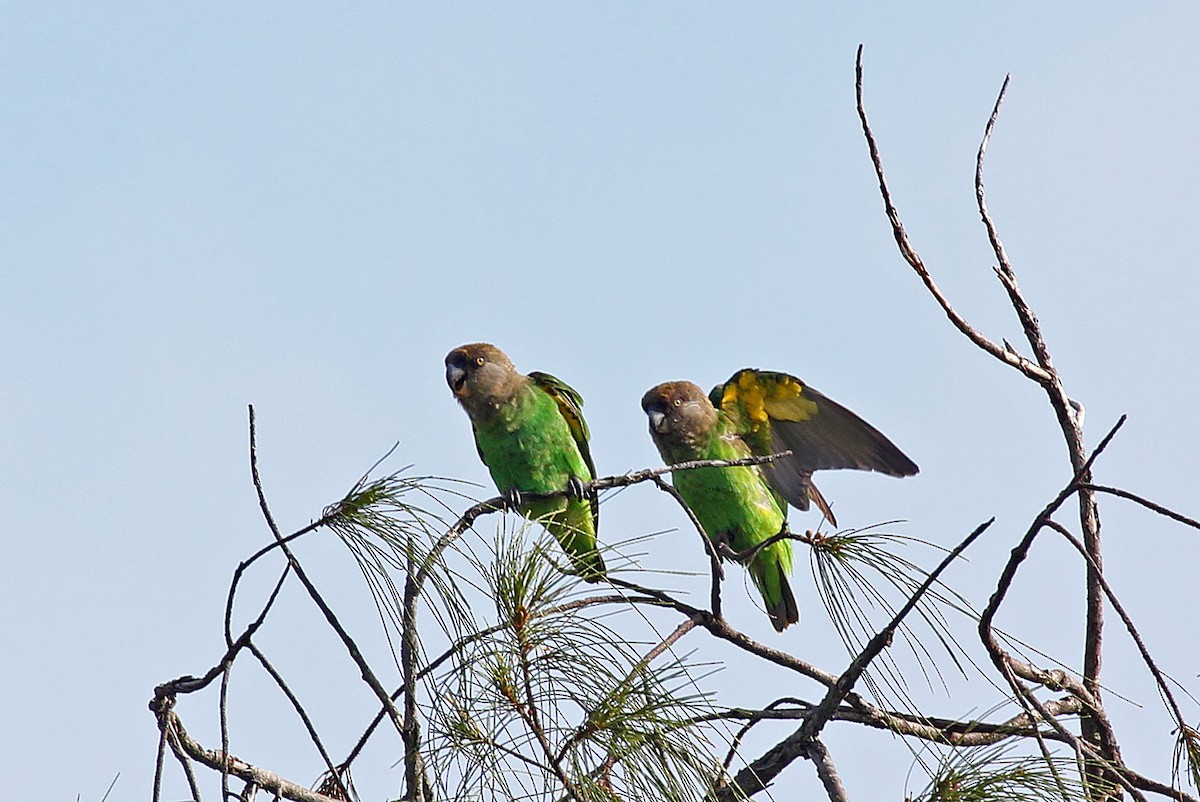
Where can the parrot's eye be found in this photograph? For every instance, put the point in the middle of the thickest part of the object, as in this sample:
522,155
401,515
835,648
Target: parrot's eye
678,402
479,361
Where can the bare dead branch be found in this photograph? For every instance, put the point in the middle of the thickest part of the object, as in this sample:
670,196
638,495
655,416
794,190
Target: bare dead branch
911,256
351,647
223,708
850,676
1094,731
716,572
753,717
177,736
159,759
1029,322
300,711
1145,502
1044,373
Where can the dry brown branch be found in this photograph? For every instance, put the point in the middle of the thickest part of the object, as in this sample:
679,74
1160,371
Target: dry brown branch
826,771
911,256
716,572
269,781
351,647
1100,779
1164,688
853,709
1145,502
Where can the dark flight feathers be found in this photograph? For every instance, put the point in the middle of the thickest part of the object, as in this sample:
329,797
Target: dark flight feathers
775,412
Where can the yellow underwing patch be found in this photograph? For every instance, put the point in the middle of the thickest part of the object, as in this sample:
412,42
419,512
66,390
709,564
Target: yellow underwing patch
763,396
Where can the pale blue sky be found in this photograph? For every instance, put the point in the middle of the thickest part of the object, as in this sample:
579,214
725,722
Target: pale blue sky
305,207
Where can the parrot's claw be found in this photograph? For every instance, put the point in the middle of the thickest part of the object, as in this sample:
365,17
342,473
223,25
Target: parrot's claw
725,552
512,498
574,489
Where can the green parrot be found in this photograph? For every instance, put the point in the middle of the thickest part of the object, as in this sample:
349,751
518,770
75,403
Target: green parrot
759,413
530,433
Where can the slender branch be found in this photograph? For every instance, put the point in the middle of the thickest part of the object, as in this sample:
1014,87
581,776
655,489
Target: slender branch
882,639
224,721
666,643
953,732
1008,278
299,708
757,716
911,256
716,572
159,760
1150,505
410,729
1098,741
1044,374
529,712
188,773
1094,730
721,629
1051,679
351,647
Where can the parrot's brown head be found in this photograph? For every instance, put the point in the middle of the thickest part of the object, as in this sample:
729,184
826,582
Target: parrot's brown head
481,377
680,414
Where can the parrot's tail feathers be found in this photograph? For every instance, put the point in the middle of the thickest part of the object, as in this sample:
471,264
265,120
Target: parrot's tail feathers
772,582
580,545
786,612
822,504
590,565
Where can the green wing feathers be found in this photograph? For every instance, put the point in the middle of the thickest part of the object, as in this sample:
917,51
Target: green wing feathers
570,406
575,525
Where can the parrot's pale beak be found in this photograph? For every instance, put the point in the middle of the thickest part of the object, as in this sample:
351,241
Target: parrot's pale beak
658,420
455,377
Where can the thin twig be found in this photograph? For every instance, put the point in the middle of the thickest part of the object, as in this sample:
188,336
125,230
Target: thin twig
351,647
1094,730
298,707
757,716
1044,374
159,759
911,256
1150,505
1098,741
716,572
224,719
529,712
466,640
188,772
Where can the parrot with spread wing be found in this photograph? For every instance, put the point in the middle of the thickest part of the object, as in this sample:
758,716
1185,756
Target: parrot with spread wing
757,413
530,433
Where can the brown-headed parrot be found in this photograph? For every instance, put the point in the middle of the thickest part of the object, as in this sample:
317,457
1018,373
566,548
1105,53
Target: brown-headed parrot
760,413
530,433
